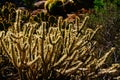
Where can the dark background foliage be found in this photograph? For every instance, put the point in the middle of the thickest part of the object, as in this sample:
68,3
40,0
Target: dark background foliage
107,14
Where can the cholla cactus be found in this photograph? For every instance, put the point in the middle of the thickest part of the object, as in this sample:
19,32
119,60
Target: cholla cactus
61,53
7,15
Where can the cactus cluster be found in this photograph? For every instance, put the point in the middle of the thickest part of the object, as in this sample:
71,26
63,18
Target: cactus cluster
7,15
63,51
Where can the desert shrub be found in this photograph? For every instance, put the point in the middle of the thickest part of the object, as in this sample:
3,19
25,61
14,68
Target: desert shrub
108,16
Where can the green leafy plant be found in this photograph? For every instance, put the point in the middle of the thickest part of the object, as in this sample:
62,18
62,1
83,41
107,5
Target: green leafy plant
98,4
55,7
117,2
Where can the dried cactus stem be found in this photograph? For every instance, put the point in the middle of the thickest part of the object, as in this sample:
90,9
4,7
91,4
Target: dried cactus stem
60,23
102,59
82,25
14,57
42,49
53,42
5,49
18,20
